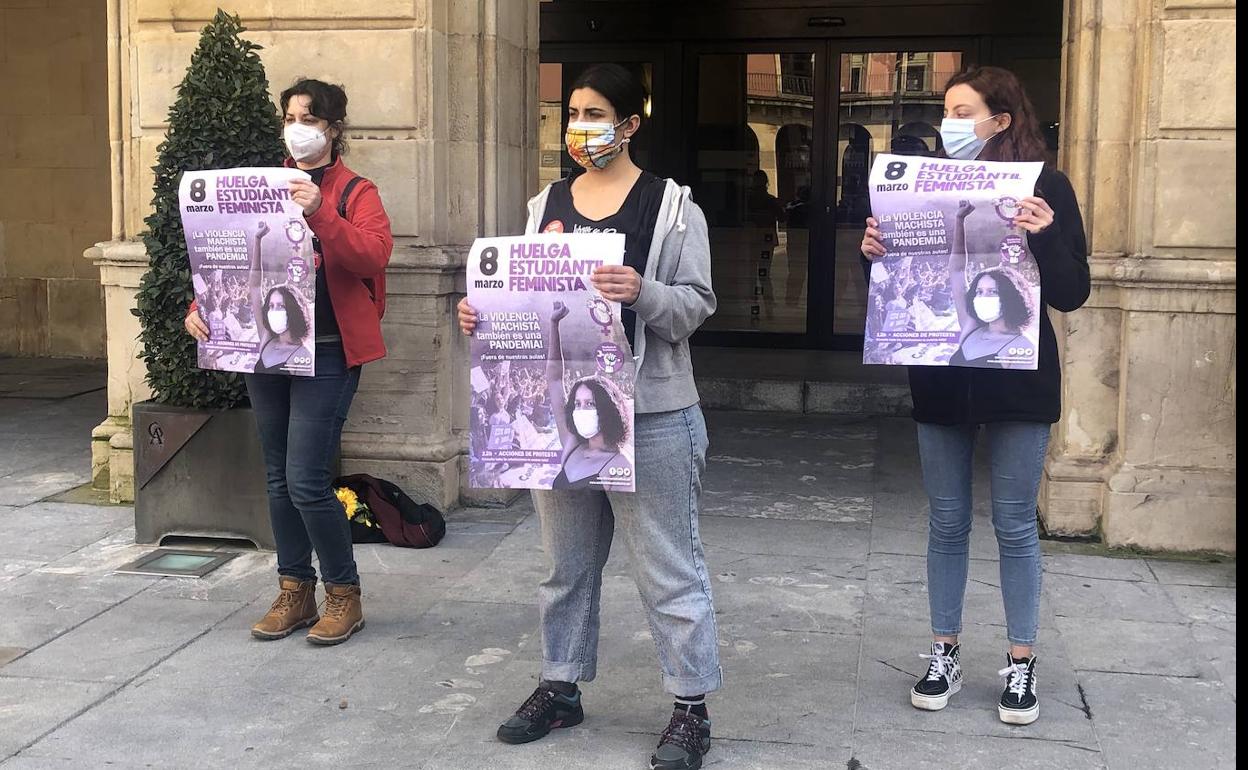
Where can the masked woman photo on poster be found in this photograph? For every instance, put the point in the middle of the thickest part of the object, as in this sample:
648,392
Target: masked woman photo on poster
591,421
284,319
995,311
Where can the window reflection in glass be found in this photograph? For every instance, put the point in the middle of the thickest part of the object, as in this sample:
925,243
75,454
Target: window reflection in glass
752,176
889,103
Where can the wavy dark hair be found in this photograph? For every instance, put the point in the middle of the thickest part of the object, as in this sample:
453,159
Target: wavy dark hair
296,312
327,102
610,405
1016,306
1002,91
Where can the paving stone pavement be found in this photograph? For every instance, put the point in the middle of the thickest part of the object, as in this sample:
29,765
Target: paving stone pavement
814,532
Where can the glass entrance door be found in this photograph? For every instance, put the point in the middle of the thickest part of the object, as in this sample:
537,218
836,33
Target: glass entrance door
780,141
887,102
753,133
776,140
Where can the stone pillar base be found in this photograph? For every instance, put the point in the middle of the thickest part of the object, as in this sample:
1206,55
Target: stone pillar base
100,436
1169,509
112,459
122,265
484,498
121,467
1070,496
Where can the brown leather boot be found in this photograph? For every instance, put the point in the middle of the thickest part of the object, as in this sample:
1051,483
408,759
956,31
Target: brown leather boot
293,609
342,617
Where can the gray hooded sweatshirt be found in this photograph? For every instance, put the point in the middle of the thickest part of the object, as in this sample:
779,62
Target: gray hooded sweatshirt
675,299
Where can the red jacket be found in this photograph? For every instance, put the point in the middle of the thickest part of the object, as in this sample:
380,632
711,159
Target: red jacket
356,251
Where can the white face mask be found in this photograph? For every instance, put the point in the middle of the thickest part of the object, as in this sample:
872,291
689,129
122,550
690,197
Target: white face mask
278,321
586,422
304,143
988,309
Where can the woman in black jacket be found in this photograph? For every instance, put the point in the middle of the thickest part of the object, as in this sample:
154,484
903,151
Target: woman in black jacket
989,117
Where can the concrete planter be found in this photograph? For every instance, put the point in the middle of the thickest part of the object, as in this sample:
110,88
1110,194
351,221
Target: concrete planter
198,473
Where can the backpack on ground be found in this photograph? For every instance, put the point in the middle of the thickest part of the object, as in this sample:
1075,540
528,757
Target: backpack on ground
402,520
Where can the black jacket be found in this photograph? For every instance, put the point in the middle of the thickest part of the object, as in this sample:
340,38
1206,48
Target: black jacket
950,395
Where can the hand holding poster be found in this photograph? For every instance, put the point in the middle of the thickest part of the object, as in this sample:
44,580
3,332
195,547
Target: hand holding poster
253,269
552,373
958,285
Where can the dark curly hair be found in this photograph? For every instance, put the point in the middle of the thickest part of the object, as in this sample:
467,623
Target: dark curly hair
609,403
1016,302
327,102
296,312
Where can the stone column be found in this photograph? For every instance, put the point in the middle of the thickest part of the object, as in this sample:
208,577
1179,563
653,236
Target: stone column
122,262
1145,452
122,265
473,144
442,116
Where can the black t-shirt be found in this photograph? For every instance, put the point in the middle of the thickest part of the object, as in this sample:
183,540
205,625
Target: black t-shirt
636,219
326,322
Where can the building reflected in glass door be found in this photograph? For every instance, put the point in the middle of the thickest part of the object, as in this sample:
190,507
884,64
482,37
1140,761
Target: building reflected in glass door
889,103
752,176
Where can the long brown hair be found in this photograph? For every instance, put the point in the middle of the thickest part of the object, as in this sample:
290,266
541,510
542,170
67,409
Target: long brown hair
1003,93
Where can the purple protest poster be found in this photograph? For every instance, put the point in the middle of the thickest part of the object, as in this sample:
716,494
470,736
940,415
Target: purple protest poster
552,373
958,285
253,269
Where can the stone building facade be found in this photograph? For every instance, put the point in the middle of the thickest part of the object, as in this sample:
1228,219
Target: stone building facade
445,114
54,200
1145,450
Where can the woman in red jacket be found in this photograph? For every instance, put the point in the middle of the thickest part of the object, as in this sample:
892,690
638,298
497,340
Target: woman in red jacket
301,418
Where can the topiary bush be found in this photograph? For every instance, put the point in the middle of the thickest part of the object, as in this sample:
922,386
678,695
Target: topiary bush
223,118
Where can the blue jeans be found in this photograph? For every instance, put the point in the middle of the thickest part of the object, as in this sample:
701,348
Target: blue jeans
300,421
660,526
1016,451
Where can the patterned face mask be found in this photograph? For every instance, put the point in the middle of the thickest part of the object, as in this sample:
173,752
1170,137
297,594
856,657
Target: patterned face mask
592,145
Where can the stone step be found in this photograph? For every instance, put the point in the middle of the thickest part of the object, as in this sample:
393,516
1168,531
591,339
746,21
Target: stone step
802,381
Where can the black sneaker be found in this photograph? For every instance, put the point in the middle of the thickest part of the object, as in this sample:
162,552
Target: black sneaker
545,710
686,739
1019,705
942,680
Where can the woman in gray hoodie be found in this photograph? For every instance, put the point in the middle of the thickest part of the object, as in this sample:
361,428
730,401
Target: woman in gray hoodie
664,287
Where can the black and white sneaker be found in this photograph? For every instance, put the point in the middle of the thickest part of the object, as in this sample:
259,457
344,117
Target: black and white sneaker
1019,705
942,680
